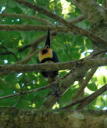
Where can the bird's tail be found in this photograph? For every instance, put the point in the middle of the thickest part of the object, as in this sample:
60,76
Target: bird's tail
47,43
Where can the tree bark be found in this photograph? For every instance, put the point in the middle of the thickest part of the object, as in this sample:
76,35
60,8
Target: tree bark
14,118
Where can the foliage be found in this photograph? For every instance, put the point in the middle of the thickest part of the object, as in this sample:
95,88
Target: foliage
68,46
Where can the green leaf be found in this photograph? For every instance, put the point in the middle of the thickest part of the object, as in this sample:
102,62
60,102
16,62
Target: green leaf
92,87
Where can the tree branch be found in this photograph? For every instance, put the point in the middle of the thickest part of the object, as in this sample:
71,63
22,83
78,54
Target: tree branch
84,83
70,26
25,17
105,3
6,51
32,28
89,63
25,92
91,9
76,20
86,100
64,83
35,43
92,97
70,78
22,118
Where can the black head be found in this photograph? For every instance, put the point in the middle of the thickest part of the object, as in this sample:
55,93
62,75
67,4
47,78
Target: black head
47,43
44,51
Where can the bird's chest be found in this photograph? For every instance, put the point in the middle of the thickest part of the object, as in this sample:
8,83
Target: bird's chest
48,54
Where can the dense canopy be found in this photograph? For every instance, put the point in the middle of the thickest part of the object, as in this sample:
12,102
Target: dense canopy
78,36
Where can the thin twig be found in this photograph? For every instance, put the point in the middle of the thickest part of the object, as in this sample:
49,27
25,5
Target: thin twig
7,51
25,17
33,28
25,92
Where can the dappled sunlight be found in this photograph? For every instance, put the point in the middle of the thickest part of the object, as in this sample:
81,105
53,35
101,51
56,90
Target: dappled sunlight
102,71
56,105
86,53
20,43
33,105
5,61
17,86
88,91
67,7
2,9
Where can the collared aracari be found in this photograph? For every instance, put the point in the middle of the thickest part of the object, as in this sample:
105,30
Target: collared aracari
47,55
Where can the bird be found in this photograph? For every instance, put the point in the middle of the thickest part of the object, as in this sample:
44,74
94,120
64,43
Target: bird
48,55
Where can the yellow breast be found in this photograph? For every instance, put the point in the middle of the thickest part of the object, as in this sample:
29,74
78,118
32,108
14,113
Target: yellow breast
45,55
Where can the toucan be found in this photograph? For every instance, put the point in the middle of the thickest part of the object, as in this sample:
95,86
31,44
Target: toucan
47,55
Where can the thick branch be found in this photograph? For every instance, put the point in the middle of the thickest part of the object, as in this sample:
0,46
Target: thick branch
105,3
89,63
17,118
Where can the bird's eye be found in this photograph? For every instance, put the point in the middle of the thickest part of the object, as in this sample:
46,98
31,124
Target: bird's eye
47,46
